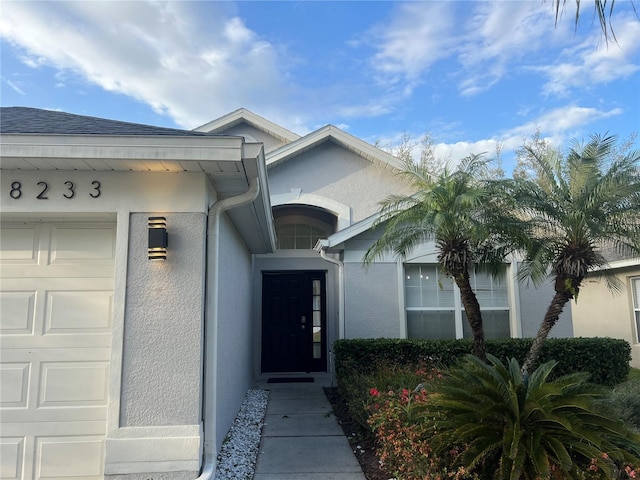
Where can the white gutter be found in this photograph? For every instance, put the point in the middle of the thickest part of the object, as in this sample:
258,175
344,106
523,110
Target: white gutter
211,322
341,325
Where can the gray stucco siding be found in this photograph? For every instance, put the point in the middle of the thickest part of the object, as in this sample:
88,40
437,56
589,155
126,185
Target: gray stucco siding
253,134
161,362
234,334
331,171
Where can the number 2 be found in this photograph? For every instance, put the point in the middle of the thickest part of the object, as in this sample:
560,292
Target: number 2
43,193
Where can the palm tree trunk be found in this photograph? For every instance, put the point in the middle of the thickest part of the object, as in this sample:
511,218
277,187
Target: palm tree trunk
472,309
560,299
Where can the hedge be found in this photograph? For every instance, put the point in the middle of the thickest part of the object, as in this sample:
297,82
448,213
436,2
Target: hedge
606,359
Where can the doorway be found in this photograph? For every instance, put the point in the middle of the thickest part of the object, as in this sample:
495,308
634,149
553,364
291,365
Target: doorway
294,322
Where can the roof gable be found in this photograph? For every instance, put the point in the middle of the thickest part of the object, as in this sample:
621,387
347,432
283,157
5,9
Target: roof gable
330,133
242,115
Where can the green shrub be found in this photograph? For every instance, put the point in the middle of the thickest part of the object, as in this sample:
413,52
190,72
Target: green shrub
511,427
624,400
606,359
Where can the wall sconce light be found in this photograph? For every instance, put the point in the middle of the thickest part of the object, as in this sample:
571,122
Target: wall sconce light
158,238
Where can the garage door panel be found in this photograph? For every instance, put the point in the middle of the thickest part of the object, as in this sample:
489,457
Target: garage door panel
81,244
75,311
73,384
20,245
17,311
87,453
11,457
14,384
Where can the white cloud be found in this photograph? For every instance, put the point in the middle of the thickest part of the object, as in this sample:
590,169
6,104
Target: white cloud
418,35
560,122
170,55
480,41
588,64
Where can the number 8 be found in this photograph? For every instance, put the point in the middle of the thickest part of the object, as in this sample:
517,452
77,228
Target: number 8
16,190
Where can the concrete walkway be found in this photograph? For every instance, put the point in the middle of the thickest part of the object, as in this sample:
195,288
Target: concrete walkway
301,439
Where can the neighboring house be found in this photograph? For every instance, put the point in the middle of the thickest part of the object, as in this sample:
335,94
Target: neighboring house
116,365
599,312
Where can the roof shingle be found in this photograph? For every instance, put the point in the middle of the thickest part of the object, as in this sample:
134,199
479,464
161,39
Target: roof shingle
28,120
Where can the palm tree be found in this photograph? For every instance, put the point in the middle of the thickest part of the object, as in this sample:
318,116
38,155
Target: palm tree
510,426
452,209
576,209
602,11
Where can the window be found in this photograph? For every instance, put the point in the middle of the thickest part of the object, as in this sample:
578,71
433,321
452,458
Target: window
298,236
435,311
635,286
300,227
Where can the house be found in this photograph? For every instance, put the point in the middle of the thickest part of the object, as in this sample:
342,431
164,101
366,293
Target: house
598,312
148,275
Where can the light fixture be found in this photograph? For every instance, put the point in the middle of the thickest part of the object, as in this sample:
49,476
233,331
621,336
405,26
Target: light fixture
158,238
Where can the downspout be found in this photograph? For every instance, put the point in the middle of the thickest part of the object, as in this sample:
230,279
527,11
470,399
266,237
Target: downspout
341,325
211,321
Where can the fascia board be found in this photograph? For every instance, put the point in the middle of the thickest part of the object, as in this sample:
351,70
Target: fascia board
121,147
340,137
338,238
617,264
244,115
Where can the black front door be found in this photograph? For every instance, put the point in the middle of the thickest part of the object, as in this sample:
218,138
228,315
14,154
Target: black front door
293,322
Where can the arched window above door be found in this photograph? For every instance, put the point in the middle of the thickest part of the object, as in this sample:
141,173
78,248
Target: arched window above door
300,227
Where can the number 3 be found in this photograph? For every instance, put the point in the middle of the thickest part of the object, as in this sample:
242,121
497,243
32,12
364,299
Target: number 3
70,187
96,187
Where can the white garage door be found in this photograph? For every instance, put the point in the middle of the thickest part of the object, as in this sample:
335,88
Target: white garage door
55,337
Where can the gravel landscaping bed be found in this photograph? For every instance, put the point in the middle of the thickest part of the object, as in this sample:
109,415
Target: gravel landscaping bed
239,451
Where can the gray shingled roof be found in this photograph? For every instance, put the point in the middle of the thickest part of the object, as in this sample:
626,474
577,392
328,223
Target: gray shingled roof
38,121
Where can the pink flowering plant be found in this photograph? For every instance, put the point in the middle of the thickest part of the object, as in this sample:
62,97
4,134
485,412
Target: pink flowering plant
402,432
358,388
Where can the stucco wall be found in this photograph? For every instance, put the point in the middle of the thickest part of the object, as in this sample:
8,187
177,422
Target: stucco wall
372,308
533,306
270,143
234,339
602,313
333,172
161,363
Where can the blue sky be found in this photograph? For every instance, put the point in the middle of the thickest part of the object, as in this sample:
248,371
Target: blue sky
471,74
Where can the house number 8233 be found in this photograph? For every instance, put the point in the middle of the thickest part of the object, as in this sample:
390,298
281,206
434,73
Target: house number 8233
44,191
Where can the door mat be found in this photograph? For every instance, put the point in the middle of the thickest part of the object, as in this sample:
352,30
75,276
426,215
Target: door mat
290,380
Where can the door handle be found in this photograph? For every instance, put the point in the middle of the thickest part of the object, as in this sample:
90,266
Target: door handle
303,322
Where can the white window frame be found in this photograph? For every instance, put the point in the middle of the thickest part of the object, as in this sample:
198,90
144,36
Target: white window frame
458,307
635,304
